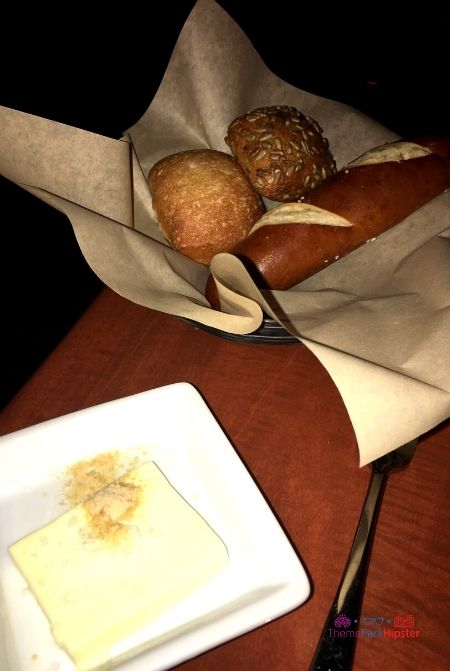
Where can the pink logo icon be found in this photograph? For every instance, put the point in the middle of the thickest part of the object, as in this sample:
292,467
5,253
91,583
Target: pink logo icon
404,622
342,621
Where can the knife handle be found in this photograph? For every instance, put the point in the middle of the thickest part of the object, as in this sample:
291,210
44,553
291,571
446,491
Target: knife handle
337,643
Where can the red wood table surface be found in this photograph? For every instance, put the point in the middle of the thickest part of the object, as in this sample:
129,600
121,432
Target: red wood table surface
284,416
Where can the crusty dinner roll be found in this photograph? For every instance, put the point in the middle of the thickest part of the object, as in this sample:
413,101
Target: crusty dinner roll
203,201
282,151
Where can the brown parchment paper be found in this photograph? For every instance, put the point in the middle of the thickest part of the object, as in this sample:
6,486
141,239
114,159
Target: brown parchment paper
378,320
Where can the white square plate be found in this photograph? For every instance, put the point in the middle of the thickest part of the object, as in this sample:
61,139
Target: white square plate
173,427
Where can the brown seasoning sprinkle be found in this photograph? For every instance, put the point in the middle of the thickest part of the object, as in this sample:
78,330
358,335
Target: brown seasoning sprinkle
84,478
108,501
109,510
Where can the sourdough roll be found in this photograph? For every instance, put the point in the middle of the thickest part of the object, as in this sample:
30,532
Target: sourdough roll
203,201
282,151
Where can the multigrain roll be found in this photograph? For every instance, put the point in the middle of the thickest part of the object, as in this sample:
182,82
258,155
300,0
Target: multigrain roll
282,151
203,201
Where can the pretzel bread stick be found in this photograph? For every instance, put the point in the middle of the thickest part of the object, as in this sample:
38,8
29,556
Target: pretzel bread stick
371,197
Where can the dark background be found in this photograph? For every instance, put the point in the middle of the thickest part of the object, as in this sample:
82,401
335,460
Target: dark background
101,74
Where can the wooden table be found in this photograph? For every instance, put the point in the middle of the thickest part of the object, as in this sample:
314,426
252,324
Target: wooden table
286,419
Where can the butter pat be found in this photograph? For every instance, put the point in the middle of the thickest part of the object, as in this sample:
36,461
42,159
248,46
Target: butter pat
110,566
